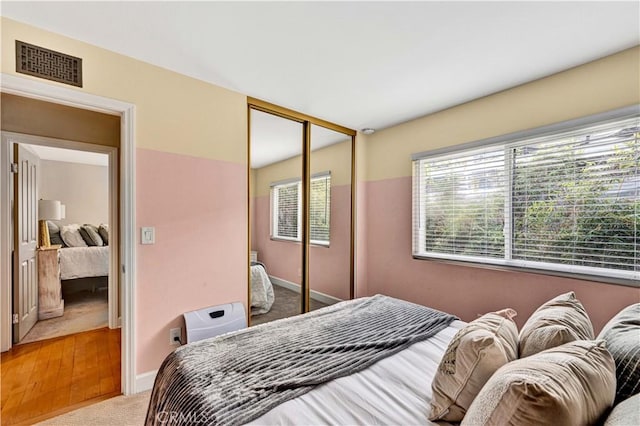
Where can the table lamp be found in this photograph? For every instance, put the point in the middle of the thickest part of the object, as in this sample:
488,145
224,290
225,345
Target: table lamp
47,210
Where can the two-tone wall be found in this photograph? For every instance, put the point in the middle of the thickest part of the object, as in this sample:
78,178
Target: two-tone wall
191,180
191,176
385,194
328,266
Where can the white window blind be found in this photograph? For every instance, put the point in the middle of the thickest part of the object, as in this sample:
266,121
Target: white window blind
567,202
286,209
286,214
320,209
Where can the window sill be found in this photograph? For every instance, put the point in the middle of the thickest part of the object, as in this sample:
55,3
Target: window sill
311,243
510,268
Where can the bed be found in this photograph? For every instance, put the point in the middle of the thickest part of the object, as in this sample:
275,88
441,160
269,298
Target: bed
84,252
380,360
345,384
84,262
262,295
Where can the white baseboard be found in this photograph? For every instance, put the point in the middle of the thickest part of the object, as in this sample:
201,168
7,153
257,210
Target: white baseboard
284,283
144,381
315,295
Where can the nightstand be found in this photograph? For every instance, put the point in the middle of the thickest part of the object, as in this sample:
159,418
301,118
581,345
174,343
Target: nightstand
50,303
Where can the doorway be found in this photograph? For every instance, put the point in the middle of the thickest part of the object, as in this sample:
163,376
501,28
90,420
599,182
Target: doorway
34,89
75,195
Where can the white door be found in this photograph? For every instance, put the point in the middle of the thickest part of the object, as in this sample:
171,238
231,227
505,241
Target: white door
25,222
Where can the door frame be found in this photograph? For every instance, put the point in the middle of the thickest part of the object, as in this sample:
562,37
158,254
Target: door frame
11,138
35,89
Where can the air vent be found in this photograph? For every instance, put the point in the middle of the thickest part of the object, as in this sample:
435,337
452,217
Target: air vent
44,63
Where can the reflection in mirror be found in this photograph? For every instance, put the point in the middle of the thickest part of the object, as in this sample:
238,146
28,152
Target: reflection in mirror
275,210
329,217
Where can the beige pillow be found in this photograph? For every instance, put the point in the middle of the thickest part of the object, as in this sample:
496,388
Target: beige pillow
625,413
572,384
474,354
558,321
70,234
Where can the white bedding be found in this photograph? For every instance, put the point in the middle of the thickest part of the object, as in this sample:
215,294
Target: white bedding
394,391
262,296
84,262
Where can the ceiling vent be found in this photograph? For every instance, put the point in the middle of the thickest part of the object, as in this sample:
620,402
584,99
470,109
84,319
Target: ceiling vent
44,63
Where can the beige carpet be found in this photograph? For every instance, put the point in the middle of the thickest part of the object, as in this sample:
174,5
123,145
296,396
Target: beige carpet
83,311
121,410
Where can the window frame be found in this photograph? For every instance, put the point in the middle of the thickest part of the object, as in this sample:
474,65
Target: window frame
509,142
273,220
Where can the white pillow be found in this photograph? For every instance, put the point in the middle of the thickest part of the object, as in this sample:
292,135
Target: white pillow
70,234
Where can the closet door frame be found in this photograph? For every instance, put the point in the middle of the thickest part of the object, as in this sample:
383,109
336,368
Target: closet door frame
307,121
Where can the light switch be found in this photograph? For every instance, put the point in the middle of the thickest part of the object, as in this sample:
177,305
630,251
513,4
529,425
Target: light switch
148,235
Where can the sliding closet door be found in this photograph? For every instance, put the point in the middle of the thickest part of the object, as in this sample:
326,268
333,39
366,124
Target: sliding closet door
276,216
330,266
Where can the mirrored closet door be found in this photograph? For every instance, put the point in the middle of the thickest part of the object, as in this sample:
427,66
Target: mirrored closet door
300,213
276,216
330,267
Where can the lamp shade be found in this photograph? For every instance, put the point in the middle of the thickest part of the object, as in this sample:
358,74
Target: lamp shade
49,210
63,211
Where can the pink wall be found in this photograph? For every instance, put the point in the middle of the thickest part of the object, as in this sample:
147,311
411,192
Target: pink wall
328,266
199,258
465,291
361,270
283,259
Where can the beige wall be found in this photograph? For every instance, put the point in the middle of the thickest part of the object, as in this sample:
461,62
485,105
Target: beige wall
82,188
602,85
335,158
59,121
174,113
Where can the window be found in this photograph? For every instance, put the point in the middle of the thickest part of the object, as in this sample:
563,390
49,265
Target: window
566,202
286,209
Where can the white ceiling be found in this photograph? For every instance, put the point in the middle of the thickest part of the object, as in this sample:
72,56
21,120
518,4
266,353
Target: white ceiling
70,155
275,139
358,64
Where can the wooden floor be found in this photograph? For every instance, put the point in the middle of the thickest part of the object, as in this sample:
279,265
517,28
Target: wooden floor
50,377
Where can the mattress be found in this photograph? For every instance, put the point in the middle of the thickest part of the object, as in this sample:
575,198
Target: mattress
395,390
84,262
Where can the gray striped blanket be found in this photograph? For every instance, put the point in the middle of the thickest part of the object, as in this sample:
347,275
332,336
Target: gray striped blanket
237,377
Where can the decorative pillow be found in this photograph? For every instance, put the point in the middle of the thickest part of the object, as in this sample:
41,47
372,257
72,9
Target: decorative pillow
625,413
561,320
54,234
71,236
53,228
474,354
622,334
571,384
90,235
103,230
